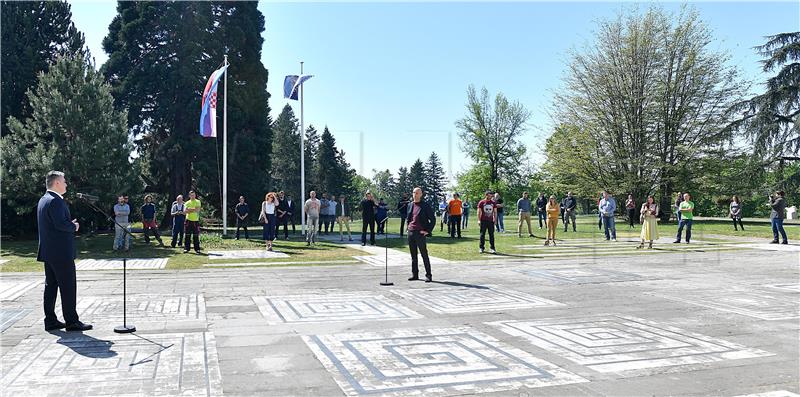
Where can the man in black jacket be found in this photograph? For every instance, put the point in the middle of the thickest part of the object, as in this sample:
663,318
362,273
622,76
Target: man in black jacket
57,251
283,215
368,207
421,221
541,203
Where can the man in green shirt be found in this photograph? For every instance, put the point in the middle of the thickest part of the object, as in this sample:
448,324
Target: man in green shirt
686,210
192,226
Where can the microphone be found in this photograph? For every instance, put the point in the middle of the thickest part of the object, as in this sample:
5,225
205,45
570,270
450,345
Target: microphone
87,197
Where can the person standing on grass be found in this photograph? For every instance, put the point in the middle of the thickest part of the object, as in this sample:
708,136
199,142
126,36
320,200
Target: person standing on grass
607,207
381,215
149,220
442,214
649,219
269,218
524,210
778,204
678,201
454,208
487,216
421,221
368,208
553,211
292,210
630,209
402,209
600,214
283,215
686,209
191,228
464,214
312,207
343,218
121,212
323,211
570,205
330,215
735,211
541,210
178,212
500,226
242,211
57,250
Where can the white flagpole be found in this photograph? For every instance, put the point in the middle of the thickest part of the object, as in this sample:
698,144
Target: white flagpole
302,162
225,154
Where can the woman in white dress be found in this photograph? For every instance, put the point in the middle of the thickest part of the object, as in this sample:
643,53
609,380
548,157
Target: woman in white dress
649,219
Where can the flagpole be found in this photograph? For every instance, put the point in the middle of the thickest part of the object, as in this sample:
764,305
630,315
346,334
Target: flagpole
225,154
302,162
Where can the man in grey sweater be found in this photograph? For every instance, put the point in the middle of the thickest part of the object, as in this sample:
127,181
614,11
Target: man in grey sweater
778,204
121,212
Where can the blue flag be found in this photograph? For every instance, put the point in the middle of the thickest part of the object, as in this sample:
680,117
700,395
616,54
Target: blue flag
292,83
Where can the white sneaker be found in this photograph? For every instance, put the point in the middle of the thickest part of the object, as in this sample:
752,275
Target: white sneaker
481,250
492,251
613,239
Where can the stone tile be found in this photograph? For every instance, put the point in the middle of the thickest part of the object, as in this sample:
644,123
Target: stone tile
762,303
116,264
482,298
80,364
613,343
10,315
431,362
331,307
246,254
581,275
13,288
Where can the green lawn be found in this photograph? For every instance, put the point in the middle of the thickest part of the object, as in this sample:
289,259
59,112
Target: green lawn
22,254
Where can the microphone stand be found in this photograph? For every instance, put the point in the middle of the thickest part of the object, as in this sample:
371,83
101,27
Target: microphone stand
386,263
124,328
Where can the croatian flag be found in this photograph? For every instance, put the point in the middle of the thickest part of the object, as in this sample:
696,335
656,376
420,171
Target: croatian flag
208,115
292,83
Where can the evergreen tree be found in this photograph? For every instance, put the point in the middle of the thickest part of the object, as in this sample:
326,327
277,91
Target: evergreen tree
312,167
286,153
160,56
384,183
435,179
402,185
347,186
330,175
73,128
34,35
416,177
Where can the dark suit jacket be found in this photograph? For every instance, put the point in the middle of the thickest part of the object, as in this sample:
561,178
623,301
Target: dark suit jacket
56,231
427,219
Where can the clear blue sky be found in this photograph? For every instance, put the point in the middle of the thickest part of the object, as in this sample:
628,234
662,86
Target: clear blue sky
392,77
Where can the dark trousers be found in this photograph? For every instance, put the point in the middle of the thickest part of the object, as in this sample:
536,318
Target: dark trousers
631,216
291,220
454,225
417,243
542,214
271,228
487,226
371,223
777,227
60,277
402,225
177,231
688,224
156,234
191,230
737,220
283,221
465,219
241,224
381,225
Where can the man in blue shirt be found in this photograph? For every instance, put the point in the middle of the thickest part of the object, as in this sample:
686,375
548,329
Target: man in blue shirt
607,208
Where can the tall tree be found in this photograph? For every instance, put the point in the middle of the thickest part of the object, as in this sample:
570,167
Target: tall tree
384,183
435,178
73,128
34,35
490,132
403,184
416,176
160,56
286,153
312,151
770,119
650,95
330,175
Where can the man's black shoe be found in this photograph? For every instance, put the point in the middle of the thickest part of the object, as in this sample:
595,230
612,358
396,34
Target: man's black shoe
198,252
54,326
79,326
428,279
363,244
413,278
785,242
774,242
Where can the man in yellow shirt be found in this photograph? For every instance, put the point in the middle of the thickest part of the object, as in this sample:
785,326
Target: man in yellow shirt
454,209
192,226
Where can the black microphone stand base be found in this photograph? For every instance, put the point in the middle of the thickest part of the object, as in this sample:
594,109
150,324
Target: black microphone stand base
125,329
385,284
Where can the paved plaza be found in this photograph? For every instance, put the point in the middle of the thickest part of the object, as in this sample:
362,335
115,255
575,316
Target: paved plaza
701,322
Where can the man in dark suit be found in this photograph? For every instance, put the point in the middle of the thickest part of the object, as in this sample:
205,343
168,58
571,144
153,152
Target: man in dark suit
368,207
57,251
421,221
